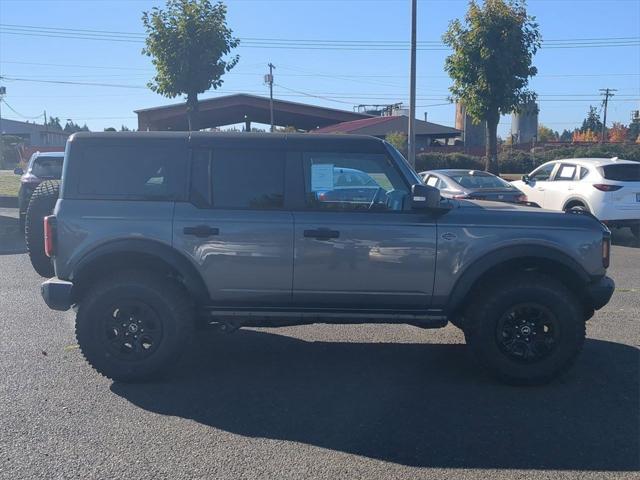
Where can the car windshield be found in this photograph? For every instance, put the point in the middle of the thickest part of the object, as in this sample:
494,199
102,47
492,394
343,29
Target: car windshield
47,167
625,172
479,180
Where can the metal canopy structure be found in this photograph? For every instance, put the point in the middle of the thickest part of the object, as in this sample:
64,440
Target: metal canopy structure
247,109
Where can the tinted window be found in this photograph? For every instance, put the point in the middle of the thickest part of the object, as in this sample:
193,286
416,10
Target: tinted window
566,171
47,167
543,173
249,179
352,181
584,171
626,172
200,191
474,179
137,172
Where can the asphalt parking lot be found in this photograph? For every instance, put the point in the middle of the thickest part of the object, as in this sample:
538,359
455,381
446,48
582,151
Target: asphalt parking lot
313,402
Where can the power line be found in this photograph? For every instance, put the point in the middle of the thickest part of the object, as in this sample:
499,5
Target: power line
18,113
300,44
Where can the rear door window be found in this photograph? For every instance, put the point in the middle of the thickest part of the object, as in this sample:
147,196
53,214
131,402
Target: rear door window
247,179
625,172
566,171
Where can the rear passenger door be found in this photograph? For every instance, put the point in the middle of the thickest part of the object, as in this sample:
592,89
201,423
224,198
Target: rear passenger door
235,227
562,186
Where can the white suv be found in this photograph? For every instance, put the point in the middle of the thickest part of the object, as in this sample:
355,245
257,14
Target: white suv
608,188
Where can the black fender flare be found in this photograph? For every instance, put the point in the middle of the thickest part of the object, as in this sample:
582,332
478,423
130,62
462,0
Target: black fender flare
502,256
154,249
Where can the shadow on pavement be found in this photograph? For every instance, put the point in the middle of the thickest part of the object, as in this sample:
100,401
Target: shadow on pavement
411,404
624,238
11,237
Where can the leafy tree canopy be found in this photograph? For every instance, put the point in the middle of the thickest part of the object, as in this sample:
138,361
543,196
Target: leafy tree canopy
189,43
491,62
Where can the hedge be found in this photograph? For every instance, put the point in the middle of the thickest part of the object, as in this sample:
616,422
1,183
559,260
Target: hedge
523,162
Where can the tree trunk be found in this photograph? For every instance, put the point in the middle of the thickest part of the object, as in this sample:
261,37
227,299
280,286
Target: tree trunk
491,161
192,112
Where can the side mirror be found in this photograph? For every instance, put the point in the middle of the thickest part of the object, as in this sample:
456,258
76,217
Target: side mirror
526,179
424,197
18,171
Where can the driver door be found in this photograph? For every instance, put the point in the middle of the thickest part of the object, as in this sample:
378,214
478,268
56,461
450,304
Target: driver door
536,188
360,252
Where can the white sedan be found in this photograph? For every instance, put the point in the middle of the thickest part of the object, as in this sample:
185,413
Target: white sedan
607,187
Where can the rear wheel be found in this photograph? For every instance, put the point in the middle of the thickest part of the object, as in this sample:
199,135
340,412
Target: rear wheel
132,326
526,330
42,203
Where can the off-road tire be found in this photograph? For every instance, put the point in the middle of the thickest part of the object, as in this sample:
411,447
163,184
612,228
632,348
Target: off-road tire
41,205
163,296
485,312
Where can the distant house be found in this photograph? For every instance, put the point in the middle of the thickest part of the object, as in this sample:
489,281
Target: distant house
427,133
34,134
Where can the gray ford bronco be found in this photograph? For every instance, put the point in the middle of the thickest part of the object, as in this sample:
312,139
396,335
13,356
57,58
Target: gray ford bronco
155,235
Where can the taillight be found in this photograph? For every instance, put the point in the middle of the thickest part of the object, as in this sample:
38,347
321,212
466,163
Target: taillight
49,235
606,249
603,187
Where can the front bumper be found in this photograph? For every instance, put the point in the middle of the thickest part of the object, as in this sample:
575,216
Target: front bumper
57,294
600,292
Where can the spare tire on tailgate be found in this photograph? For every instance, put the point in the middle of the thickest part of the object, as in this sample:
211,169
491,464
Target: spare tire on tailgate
41,205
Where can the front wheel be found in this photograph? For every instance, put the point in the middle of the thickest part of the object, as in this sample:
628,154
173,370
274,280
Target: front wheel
528,329
132,326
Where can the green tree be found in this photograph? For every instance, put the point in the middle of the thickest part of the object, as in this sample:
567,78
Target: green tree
398,140
110,129
189,43
545,134
54,122
592,121
633,133
566,135
491,63
73,127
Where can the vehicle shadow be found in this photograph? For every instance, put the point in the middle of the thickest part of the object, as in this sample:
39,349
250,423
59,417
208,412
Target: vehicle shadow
420,405
11,237
624,238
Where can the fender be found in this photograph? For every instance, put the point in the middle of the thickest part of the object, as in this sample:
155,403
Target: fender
149,249
473,272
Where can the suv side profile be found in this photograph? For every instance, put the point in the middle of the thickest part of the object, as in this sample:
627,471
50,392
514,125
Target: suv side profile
157,234
607,187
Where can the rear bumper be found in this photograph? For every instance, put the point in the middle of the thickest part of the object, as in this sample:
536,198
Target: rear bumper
600,292
57,294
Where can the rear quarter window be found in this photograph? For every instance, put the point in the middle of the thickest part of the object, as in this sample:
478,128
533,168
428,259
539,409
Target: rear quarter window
136,172
626,172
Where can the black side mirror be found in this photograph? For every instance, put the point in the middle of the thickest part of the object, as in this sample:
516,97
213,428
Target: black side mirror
526,179
18,171
424,197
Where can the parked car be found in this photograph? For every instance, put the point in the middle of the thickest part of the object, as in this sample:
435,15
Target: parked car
474,185
346,184
609,188
42,166
156,234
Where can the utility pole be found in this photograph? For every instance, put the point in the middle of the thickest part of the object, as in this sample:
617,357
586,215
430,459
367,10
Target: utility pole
606,92
411,137
269,79
3,91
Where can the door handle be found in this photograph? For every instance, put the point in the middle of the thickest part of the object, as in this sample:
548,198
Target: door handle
201,231
322,234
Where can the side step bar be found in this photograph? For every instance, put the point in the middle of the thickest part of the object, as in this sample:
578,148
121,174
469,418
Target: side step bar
287,317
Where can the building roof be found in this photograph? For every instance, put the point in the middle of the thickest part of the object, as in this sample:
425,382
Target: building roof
238,108
381,126
10,127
